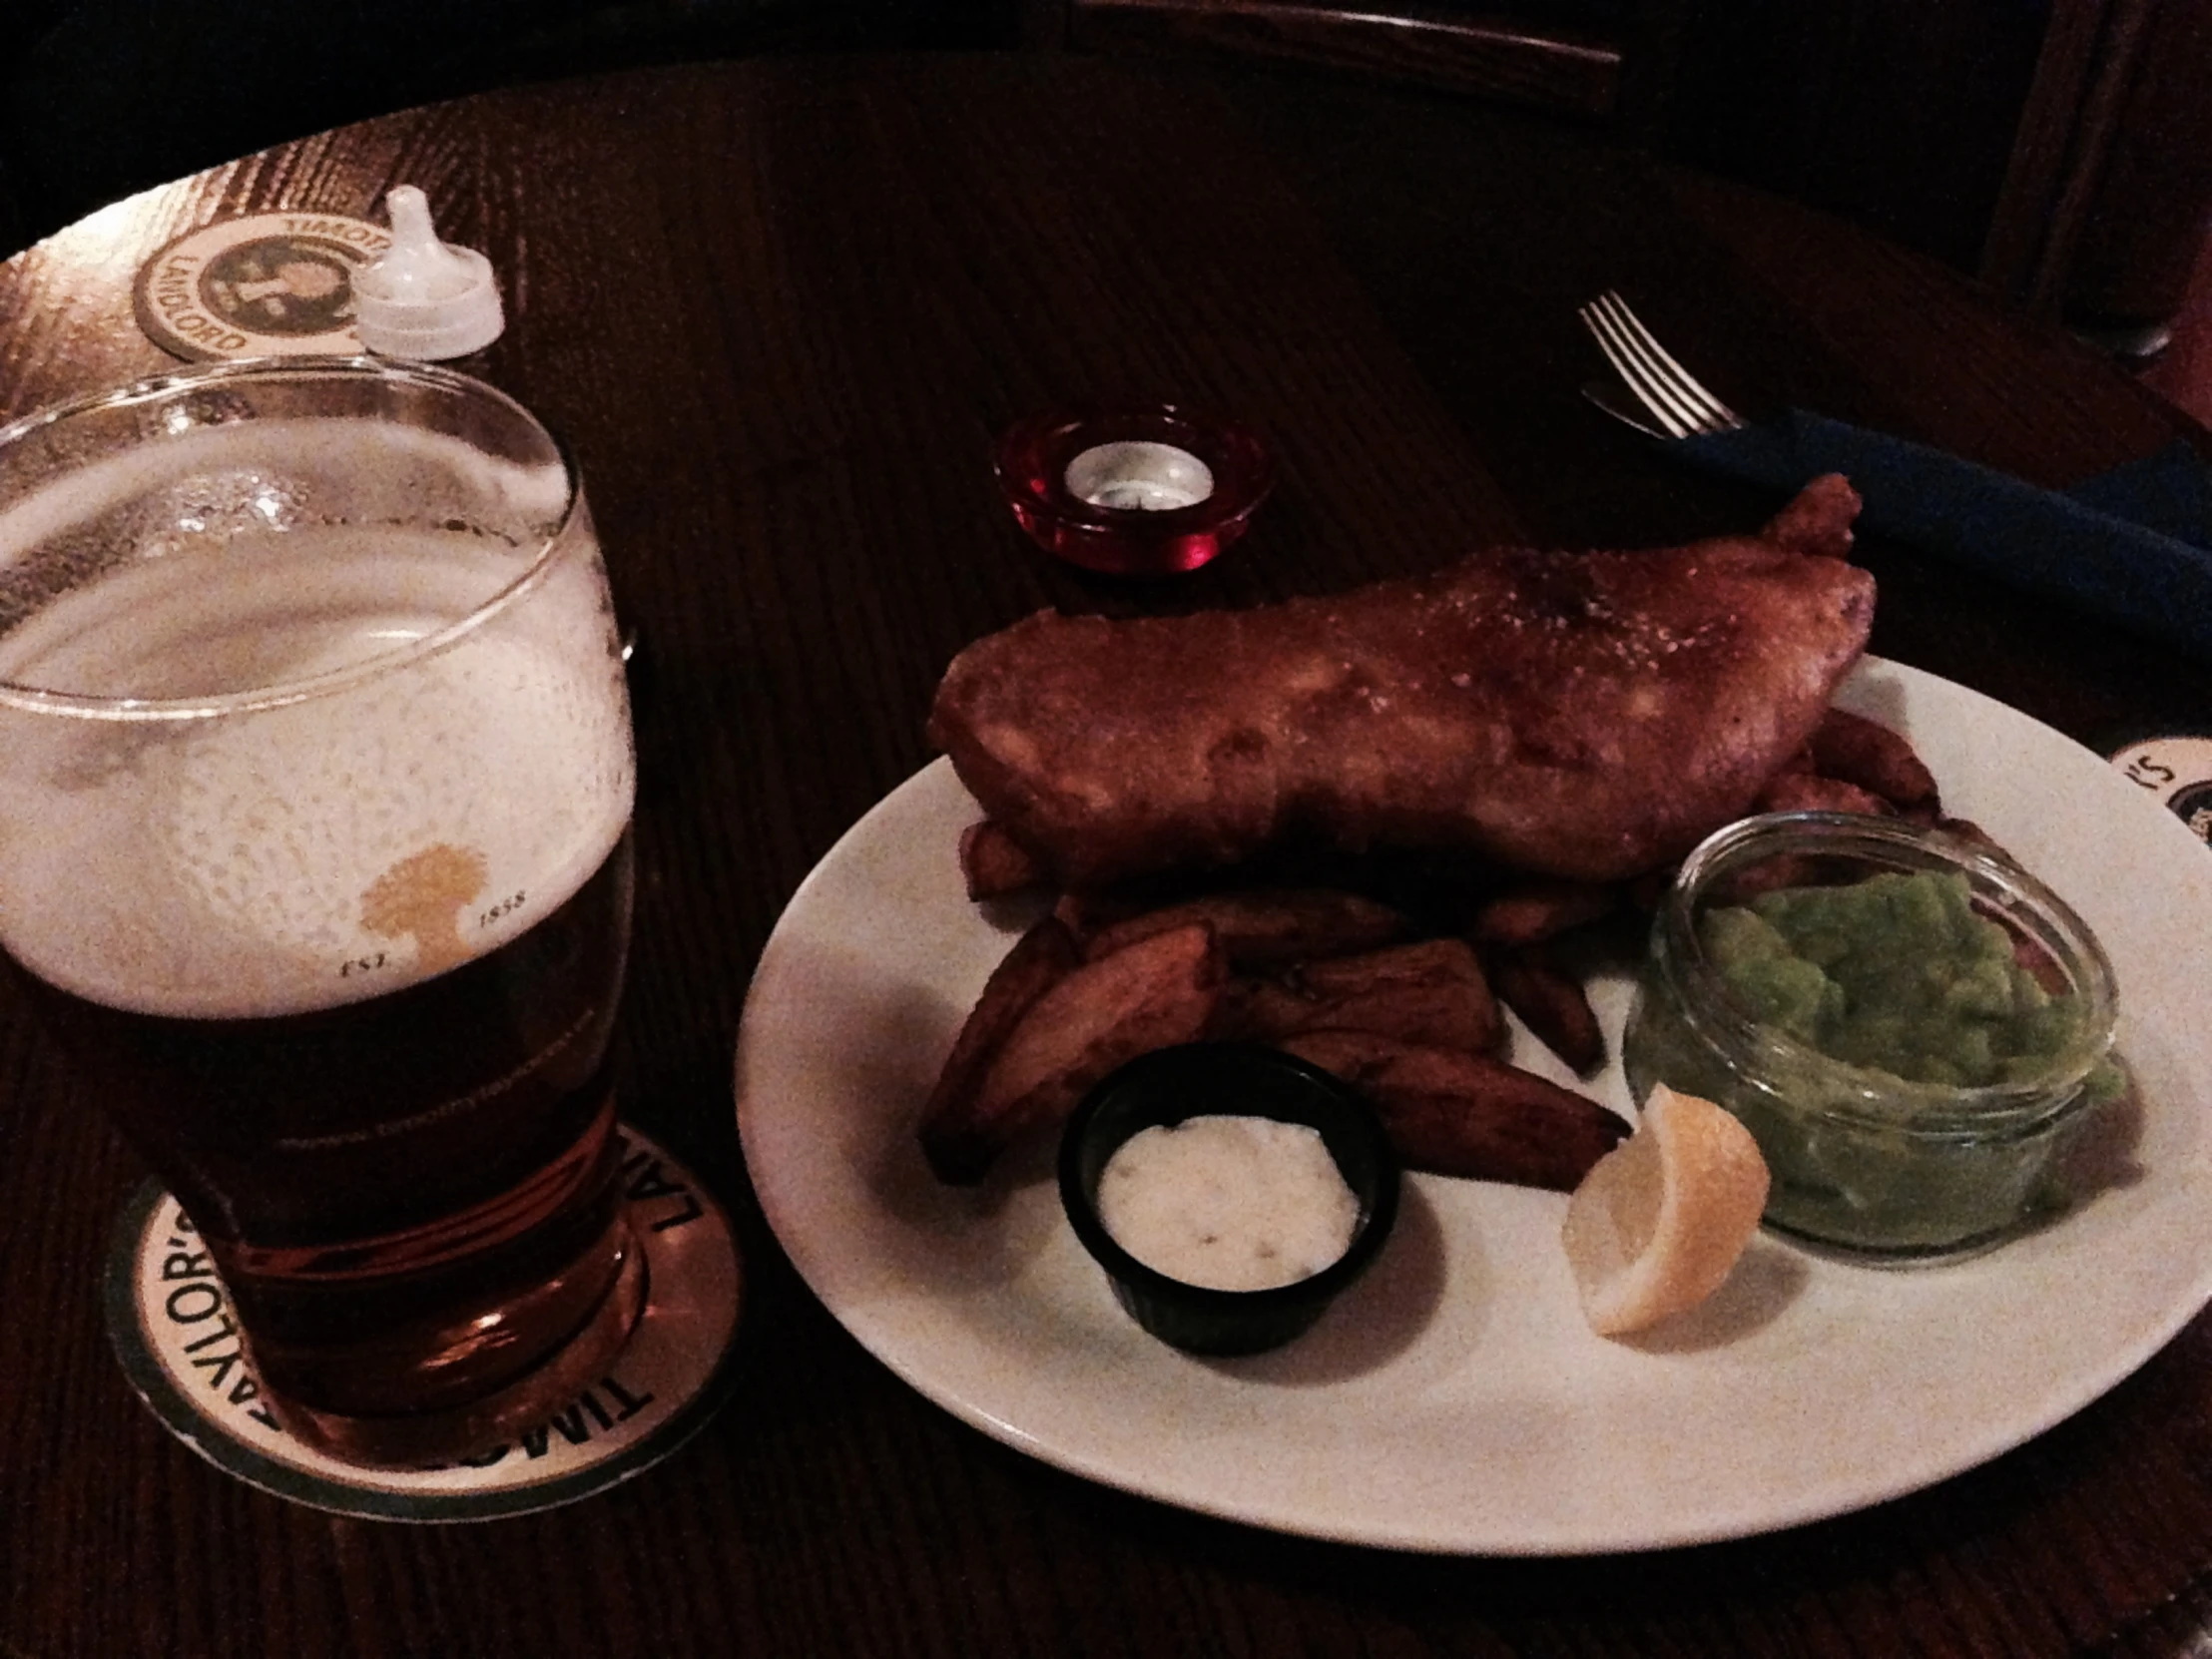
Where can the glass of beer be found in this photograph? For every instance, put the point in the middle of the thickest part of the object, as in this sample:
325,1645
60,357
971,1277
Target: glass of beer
315,784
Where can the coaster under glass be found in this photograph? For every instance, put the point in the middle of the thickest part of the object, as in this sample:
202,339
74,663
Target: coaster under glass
170,1321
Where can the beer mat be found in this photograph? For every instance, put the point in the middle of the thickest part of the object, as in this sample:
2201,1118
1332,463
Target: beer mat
2176,767
170,1319
266,285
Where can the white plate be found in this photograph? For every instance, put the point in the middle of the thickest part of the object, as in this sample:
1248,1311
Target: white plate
1455,1401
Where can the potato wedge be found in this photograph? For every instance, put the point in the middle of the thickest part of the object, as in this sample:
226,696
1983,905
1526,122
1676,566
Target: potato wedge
1468,1115
1540,908
1153,993
1812,792
994,863
1431,992
1261,928
1040,959
1086,914
1867,753
1552,1004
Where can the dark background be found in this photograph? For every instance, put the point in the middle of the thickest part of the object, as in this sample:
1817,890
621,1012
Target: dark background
102,97
1948,126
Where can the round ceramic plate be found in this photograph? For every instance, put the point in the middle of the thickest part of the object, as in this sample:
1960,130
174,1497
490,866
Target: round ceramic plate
1455,1401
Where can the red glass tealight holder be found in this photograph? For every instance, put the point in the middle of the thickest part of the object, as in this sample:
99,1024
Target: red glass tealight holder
1135,492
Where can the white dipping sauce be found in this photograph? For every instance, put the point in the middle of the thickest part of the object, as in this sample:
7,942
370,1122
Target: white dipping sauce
1230,1203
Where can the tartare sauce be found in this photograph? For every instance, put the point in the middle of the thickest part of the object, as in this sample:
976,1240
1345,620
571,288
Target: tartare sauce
1228,1202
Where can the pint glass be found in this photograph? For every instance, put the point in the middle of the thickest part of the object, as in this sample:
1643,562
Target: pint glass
316,782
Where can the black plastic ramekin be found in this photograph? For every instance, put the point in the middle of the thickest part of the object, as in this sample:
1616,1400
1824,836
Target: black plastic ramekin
1170,1085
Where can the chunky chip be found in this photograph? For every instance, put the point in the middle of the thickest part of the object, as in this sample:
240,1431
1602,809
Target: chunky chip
1866,753
994,863
1552,1004
1534,908
1431,992
1266,926
1152,994
1468,1115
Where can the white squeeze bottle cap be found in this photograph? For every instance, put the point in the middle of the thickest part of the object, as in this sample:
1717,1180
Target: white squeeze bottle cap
425,298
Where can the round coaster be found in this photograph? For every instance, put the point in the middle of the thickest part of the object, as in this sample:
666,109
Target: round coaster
2177,769
170,1319
250,287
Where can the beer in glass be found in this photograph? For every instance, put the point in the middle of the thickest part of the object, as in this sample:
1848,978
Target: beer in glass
315,784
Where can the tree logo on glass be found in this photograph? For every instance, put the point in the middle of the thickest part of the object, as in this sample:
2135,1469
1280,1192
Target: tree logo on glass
422,898
268,283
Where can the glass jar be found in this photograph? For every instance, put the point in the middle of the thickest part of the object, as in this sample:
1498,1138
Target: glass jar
1862,1157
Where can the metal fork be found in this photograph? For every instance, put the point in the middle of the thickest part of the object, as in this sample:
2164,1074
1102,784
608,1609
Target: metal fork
1670,392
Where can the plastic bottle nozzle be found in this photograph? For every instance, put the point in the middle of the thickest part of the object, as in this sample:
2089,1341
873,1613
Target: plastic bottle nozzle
425,298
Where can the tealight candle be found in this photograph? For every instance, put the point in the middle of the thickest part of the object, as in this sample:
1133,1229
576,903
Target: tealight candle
1140,476
1145,491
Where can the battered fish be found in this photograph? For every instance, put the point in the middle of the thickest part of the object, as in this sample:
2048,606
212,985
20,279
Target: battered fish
1582,714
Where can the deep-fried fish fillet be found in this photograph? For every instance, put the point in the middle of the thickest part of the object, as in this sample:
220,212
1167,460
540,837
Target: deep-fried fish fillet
1588,715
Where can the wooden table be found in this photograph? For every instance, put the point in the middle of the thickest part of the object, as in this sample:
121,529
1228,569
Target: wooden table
780,310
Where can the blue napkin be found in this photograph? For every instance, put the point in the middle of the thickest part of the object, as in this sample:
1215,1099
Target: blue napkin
2130,545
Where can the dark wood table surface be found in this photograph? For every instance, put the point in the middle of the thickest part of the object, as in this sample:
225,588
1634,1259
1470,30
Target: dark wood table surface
780,310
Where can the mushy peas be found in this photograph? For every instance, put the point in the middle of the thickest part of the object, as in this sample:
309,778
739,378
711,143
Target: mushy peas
1228,1202
1897,974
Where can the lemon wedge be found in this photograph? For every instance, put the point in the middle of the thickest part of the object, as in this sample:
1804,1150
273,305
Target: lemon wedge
1660,1221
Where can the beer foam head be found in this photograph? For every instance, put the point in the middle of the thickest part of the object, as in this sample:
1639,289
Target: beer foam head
204,484
329,849
381,836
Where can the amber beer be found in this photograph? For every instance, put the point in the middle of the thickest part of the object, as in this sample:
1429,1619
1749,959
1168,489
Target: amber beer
315,801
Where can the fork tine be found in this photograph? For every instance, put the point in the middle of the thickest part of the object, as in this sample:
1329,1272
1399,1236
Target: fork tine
1600,324
1636,371
1631,347
1712,414
1688,384
1659,372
